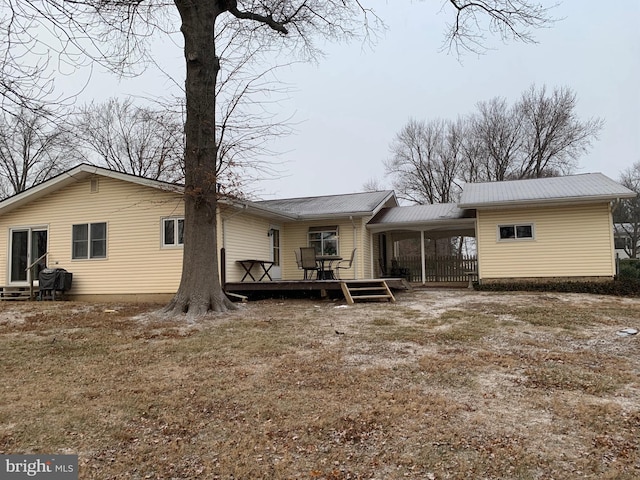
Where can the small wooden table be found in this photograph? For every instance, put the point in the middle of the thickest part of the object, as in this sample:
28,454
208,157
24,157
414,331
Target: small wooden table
326,274
250,263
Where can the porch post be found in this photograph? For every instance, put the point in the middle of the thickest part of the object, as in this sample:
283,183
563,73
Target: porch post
422,259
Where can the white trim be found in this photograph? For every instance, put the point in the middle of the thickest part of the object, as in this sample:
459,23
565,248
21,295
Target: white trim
106,242
515,226
175,220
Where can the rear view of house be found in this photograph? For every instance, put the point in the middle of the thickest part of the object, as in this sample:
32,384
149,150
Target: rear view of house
120,236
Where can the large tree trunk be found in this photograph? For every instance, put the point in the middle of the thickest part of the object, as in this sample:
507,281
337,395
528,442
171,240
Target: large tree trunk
200,290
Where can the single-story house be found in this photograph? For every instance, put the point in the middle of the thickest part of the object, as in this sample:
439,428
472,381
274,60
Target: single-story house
121,235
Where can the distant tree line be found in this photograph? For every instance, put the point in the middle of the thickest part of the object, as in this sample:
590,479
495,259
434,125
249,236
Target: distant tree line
539,135
627,213
36,144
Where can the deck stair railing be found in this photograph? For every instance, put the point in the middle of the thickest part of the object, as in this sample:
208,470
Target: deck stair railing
31,270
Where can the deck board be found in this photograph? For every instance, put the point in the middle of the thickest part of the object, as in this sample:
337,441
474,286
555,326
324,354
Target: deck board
304,285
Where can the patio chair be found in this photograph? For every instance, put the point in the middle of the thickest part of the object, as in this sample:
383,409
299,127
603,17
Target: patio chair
383,269
344,264
308,262
298,259
398,271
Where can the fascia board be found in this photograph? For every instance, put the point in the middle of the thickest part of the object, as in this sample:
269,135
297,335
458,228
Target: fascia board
258,210
419,226
544,202
330,216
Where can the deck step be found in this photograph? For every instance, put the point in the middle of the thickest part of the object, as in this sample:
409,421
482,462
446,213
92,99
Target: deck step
355,290
16,293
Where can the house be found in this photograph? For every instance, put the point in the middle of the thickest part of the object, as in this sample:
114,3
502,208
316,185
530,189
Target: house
121,235
549,228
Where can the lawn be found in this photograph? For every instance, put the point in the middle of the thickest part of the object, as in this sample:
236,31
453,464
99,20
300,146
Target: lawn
440,385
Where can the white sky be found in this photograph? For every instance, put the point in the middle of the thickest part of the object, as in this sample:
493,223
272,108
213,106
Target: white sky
353,102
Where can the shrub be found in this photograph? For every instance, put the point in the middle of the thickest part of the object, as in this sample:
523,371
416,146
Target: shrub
627,287
629,269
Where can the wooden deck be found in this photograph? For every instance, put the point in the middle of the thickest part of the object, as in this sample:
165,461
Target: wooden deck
321,287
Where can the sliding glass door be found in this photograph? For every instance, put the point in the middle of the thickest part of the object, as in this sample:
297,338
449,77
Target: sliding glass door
27,245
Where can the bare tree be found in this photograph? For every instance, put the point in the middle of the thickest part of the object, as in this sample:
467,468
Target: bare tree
496,130
246,94
113,32
553,136
32,149
373,185
425,161
132,139
627,214
509,19
538,136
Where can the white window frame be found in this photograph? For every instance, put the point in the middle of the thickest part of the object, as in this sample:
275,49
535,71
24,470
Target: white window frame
89,241
515,226
326,234
176,240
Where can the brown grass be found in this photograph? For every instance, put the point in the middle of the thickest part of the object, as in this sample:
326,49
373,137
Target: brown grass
440,385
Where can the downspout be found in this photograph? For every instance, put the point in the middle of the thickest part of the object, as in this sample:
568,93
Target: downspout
224,230
612,208
355,244
422,258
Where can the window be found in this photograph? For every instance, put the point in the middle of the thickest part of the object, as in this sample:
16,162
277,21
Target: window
172,232
324,240
89,240
515,232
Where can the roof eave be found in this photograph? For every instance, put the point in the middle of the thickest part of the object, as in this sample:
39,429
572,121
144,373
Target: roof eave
77,173
329,216
546,201
447,224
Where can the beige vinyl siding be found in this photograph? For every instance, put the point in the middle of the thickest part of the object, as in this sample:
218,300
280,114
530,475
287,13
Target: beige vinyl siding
136,261
244,237
296,236
570,241
364,252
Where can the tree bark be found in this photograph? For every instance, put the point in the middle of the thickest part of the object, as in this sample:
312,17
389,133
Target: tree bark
200,290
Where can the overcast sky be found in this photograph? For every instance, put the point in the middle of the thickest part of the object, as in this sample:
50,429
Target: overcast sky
351,104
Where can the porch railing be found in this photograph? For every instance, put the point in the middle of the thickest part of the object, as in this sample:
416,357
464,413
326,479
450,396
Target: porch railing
439,268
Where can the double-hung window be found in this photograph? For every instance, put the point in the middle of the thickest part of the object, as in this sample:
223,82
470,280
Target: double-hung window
89,240
516,231
324,240
172,232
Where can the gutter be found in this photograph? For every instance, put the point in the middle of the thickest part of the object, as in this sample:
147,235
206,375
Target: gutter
545,201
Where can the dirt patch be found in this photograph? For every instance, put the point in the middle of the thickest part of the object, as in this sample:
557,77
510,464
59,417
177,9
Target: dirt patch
442,384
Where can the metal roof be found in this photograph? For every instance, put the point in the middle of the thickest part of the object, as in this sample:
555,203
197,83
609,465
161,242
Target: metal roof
436,216
571,188
419,213
365,203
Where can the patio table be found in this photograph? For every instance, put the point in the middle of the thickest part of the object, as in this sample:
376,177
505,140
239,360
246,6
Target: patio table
250,263
326,273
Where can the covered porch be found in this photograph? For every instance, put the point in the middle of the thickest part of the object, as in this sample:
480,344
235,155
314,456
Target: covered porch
425,243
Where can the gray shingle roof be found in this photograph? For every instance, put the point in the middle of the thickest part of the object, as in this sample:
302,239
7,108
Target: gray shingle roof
334,205
588,186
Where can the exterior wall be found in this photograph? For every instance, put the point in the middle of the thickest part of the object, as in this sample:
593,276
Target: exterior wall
364,253
136,262
244,237
569,242
295,235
